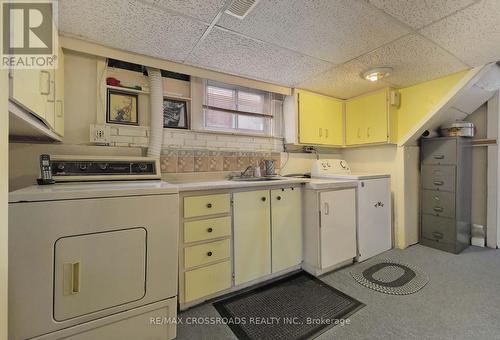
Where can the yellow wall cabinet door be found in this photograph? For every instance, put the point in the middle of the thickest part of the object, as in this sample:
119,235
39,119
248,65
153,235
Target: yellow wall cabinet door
369,118
59,95
30,89
252,235
320,119
286,228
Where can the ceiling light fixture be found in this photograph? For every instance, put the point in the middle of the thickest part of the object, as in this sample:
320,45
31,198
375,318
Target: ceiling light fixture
377,73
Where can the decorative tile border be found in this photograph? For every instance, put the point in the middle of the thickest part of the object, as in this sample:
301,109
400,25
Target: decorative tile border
175,161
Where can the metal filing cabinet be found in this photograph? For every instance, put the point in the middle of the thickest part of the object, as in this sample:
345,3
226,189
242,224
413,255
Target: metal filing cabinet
446,185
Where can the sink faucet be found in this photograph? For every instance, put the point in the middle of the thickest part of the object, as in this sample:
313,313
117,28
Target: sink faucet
244,172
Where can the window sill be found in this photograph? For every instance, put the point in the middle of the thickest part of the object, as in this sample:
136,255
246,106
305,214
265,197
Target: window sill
227,133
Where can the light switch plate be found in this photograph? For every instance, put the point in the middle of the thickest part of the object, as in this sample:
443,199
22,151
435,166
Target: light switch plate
99,134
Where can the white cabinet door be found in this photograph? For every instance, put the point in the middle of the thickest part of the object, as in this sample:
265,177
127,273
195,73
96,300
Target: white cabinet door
286,207
374,225
252,235
338,226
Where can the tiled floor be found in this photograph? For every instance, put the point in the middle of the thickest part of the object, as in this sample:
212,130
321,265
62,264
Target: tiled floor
461,301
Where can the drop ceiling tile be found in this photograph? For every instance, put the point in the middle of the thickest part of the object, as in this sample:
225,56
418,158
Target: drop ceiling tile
420,13
131,26
205,10
342,82
332,30
414,59
233,53
472,34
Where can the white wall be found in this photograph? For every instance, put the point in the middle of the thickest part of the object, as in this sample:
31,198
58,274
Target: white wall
3,203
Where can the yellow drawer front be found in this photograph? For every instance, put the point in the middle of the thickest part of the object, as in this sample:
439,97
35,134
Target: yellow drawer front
206,253
206,205
207,229
207,280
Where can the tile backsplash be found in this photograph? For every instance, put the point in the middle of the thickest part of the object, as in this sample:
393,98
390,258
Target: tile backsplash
175,161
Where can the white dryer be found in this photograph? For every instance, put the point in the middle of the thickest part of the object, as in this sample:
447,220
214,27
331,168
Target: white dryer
374,213
94,260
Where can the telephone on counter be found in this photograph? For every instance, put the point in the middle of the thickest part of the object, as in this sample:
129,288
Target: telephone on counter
45,171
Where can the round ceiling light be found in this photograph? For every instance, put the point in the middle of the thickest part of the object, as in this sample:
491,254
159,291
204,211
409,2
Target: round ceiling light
377,73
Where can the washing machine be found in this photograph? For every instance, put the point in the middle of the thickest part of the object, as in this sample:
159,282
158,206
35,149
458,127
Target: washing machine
374,213
94,256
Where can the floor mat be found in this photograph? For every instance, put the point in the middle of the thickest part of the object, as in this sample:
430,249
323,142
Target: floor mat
296,307
389,276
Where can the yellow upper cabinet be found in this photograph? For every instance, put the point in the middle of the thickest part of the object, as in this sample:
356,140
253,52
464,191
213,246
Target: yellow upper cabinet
370,119
320,119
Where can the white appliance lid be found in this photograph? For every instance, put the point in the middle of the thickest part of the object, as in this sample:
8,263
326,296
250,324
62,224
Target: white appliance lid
81,190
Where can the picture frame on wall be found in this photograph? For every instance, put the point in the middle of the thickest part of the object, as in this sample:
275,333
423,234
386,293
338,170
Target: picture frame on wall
122,108
175,114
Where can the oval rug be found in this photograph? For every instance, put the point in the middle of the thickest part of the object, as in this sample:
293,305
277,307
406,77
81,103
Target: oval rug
390,276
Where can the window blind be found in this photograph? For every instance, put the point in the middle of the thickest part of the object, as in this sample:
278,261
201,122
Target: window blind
235,99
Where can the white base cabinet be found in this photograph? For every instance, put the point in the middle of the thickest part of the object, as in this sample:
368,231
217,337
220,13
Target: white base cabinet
329,229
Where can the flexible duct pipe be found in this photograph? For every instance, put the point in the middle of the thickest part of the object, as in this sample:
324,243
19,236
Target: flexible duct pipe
156,105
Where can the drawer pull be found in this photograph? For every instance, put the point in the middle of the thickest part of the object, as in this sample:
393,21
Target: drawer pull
436,198
438,182
263,199
438,156
209,205
438,209
209,253
278,198
209,230
437,235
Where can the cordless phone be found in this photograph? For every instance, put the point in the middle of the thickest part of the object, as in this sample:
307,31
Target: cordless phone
45,171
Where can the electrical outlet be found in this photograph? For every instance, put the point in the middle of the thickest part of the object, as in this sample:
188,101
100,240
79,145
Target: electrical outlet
99,134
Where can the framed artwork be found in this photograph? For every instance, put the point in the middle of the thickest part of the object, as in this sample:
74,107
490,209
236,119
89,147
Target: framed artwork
175,114
122,108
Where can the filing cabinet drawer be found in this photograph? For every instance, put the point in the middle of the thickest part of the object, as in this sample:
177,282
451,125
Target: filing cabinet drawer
207,229
438,177
440,229
206,205
439,152
438,203
206,253
207,280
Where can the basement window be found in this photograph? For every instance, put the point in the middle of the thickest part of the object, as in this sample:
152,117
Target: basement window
237,109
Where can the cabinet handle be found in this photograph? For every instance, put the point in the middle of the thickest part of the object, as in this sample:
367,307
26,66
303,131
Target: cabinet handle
209,205
359,132
59,108
327,209
437,235
438,182
75,278
439,157
320,132
438,209
42,90
263,199
278,198
210,230
209,253
368,132
326,133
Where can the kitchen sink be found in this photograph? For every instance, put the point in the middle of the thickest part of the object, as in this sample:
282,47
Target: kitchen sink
256,179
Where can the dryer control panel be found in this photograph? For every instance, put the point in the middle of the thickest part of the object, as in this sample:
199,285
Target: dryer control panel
329,167
85,168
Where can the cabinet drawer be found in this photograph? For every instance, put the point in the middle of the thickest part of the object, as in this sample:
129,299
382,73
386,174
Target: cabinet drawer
207,229
438,177
438,203
206,253
206,205
438,228
439,152
207,280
